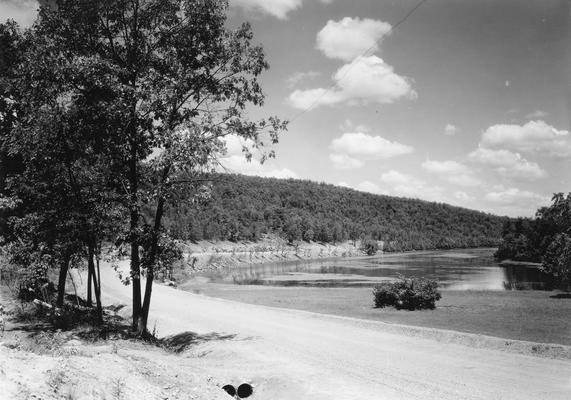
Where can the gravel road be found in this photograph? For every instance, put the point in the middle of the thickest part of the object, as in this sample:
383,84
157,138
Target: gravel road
288,354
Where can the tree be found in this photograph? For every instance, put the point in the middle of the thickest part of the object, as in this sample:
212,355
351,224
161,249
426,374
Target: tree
557,259
171,82
64,202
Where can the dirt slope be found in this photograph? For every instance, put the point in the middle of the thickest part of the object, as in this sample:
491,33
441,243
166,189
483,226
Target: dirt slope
291,354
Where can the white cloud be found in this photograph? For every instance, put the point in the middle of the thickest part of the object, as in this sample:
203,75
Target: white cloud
350,126
276,8
534,137
351,37
345,185
24,12
450,130
445,167
343,161
453,172
294,79
508,164
516,202
234,160
397,178
367,146
536,114
370,187
283,173
239,165
404,185
463,196
366,79
234,145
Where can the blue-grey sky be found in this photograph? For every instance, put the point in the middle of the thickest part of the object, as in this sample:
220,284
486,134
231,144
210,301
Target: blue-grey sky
466,102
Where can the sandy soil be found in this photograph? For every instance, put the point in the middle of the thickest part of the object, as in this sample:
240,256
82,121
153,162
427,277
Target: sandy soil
289,354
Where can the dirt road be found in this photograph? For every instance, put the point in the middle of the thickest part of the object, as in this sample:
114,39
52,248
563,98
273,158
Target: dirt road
299,355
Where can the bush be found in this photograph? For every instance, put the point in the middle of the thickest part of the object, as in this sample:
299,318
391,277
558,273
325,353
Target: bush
370,247
407,293
557,260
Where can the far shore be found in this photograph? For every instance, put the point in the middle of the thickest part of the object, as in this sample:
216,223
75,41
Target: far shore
215,255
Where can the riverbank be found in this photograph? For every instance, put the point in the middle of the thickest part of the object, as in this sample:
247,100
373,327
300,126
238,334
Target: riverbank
208,256
517,315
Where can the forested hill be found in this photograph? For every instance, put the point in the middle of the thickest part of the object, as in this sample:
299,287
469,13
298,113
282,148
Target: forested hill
243,208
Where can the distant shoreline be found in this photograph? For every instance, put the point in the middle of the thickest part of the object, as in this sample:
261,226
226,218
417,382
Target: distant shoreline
206,256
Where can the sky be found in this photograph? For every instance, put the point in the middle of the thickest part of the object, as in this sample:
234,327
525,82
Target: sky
465,102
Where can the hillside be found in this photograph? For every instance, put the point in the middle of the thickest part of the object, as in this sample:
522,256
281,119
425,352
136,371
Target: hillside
243,208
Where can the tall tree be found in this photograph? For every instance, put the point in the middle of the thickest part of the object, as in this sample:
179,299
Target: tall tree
174,82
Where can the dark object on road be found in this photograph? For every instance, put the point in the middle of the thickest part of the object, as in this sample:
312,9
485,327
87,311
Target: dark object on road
245,390
230,390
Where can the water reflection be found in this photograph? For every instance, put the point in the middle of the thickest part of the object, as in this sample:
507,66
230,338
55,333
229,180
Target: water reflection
473,269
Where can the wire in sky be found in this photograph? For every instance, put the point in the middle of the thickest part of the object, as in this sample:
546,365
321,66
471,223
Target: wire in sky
349,66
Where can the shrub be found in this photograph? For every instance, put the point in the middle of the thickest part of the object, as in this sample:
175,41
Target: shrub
407,293
370,247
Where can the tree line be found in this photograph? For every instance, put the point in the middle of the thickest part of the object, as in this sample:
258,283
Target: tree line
244,207
545,239
104,105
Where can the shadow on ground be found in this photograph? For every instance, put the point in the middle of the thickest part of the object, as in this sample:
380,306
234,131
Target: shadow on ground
182,341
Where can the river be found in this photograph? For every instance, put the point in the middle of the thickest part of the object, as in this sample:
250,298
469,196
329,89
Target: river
465,269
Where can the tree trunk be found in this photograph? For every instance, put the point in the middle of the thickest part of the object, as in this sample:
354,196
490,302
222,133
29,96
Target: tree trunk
89,274
142,328
96,283
134,225
61,283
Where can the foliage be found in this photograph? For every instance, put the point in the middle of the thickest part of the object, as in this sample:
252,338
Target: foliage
120,104
407,293
544,239
370,247
557,259
243,208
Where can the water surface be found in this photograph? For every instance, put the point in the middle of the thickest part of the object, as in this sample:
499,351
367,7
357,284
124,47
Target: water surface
470,269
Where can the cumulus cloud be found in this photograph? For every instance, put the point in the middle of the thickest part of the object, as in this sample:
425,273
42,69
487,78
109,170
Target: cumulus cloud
463,196
350,126
351,37
239,165
294,79
350,149
396,178
516,202
24,12
370,187
276,8
450,130
536,114
399,184
508,164
365,80
535,137
343,161
453,172
234,160
395,183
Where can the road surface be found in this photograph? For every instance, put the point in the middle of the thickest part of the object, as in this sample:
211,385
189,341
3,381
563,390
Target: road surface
289,354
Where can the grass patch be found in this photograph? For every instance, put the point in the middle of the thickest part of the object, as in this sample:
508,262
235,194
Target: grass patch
517,315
